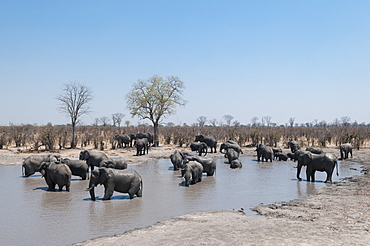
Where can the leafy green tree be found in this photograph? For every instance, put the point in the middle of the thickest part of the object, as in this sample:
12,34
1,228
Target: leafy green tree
155,98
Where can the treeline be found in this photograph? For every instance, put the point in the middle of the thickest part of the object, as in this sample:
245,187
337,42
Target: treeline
51,137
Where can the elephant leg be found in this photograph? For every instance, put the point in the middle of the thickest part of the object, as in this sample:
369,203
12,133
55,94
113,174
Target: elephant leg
313,176
308,174
108,193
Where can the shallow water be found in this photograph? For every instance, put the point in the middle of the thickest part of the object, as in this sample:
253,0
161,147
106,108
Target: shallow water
31,215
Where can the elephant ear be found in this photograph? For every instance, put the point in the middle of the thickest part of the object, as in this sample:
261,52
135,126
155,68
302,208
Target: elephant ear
307,158
104,174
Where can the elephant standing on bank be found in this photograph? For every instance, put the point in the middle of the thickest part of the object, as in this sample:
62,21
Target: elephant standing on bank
56,174
78,167
209,140
114,162
92,158
142,146
208,163
122,140
264,152
345,149
325,162
124,181
192,170
200,147
33,163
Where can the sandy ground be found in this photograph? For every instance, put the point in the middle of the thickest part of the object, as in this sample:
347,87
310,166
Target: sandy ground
337,215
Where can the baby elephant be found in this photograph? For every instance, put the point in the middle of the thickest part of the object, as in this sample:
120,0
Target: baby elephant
59,174
236,164
192,170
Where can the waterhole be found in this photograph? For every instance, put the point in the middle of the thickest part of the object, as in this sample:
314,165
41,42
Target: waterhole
30,215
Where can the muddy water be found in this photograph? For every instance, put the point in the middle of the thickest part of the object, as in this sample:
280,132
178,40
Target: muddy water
31,215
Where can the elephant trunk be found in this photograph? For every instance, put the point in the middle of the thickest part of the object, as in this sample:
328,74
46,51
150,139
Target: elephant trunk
91,189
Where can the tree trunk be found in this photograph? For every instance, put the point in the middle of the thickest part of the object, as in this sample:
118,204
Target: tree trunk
155,137
73,142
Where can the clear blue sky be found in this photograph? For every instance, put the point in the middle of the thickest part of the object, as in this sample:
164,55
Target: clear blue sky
303,59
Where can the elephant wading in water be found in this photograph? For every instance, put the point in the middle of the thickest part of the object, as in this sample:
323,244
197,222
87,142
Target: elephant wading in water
345,149
231,144
124,181
33,163
114,162
325,162
176,158
78,167
264,152
209,140
192,170
208,163
231,155
92,158
56,174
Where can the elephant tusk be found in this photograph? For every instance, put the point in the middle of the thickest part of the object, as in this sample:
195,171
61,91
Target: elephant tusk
89,188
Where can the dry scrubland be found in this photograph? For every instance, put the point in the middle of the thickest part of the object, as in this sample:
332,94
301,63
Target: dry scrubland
337,215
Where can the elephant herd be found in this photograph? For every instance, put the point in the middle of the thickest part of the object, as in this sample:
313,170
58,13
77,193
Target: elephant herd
112,172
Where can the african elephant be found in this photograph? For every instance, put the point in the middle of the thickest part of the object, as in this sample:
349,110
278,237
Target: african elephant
33,162
231,155
125,181
264,152
209,140
325,162
276,151
114,162
208,163
148,136
282,156
56,174
192,170
132,138
122,139
231,144
294,146
176,158
200,147
345,149
315,150
236,164
142,145
92,158
78,167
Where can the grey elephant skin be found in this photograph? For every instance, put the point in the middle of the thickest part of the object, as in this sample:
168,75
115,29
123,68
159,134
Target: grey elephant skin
294,146
124,181
231,144
114,162
56,174
209,140
345,149
142,146
176,158
231,155
92,158
122,140
208,163
33,163
314,150
236,164
78,167
199,147
192,171
264,152
325,162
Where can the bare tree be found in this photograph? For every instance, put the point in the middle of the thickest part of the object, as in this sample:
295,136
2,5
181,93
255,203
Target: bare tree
254,121
202,120
104,120
267,120
291,121
213,122
345,120
127,123
75,103
155,98
228,118
117,119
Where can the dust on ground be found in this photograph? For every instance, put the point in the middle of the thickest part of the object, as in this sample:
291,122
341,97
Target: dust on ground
337,215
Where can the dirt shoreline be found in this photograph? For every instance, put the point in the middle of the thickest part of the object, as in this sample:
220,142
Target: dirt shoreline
337,215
